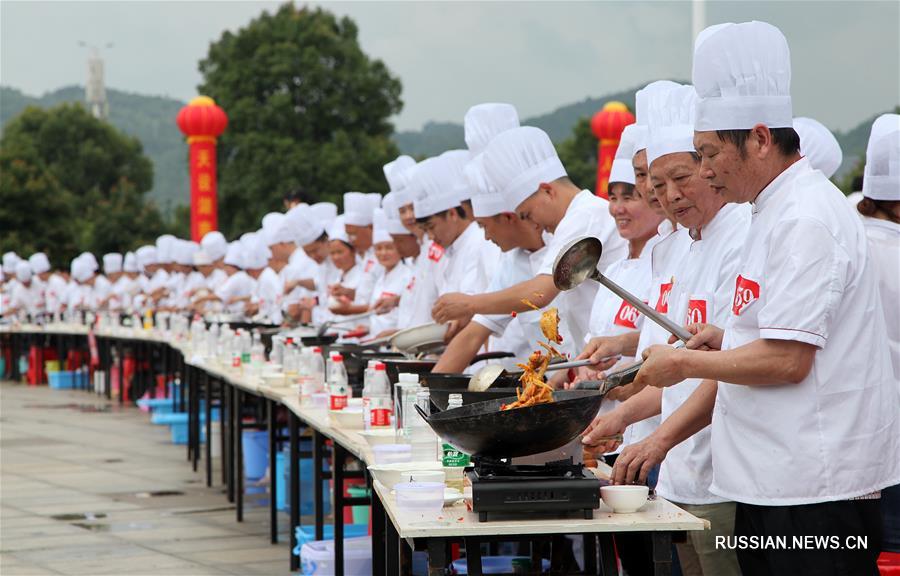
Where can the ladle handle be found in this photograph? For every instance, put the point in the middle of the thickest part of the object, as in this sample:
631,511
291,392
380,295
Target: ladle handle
673,328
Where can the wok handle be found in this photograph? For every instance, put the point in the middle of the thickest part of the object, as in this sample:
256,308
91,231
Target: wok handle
673,328
421,412
620,378
497,355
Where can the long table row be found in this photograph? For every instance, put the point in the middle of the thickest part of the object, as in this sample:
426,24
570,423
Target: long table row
246,402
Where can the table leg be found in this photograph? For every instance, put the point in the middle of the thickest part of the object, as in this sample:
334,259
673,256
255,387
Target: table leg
662,553
590,553
238,467
207,399
318,477
437,556
392,548
294,494
229,445
273,476
473,556
337,505
608,564
379,542
120,346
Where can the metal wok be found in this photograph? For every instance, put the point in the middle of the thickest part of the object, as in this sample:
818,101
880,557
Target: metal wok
482,429
440,397
461,381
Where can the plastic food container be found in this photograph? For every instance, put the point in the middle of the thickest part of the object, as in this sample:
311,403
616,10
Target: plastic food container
392,453
423,498
319,400
392,474
348,418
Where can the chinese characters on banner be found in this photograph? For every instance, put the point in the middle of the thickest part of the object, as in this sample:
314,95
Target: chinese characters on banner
203,186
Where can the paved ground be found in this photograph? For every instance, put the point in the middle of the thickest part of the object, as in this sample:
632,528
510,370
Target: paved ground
75,473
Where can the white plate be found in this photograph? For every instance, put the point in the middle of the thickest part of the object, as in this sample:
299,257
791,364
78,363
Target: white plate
452,496
419,336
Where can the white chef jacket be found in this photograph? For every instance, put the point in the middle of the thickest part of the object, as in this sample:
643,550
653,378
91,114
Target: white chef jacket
268,295
216,278
666,258
884,251
391,283
421,291
805,276
100,291
328,274
463,267
55,293
238,285
587,215
703,294
123,290
301,267
370,271
522,332
26,299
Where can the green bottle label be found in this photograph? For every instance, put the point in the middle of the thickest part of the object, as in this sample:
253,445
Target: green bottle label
453,457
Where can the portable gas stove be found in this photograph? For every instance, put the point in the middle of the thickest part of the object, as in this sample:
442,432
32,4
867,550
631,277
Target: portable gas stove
561,486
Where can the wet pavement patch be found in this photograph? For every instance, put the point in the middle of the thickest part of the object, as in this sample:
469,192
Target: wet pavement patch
72,406
159,493
113,460
82,516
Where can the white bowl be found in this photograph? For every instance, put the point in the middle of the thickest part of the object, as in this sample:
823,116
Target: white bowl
624,499
378,437
274,380
348,419
392,453
392,474
423,498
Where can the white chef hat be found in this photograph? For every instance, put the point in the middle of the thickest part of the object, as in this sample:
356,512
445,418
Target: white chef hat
201,258
82,269
301,223
23,271
234,255
325,212
10,259
337,231
641,101
484,121
518,161
458,160
183,252
394,173
742,73
131,263
255,251
146,255
433,186
164,245
275,228
374,200
486,200
112,263
39,263
380,232
622,169
818,145
357,209
392,214
671,121
91,261
214,244
881,177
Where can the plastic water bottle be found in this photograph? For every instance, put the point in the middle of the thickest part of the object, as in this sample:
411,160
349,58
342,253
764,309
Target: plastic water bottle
291,363
423,439
305,379
379,410
277,354
453,460
236,350
404,399
317,368
257,352
338,387
246,348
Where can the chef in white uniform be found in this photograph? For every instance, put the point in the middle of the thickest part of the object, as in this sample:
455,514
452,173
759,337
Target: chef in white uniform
523,165
390,285
214,245
237,290
794,391
359,210
112,270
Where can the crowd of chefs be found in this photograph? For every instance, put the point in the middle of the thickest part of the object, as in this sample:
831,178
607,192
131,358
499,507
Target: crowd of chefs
779,417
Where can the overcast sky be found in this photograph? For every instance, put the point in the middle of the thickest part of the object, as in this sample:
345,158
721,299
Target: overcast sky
451,55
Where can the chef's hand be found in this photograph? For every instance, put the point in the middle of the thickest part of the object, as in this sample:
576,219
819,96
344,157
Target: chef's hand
386,303
453,306
454,327
705,337
559,380
598,349
339,291
661,367
636,460
605,433
582,374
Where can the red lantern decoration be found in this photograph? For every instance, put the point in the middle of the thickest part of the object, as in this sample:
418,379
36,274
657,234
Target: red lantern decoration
607,126
202,122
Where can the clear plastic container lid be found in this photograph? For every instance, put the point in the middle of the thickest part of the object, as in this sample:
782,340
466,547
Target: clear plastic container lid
420,496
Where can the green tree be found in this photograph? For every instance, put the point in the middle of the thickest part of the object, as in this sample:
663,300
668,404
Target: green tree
306,107
578,154
71,183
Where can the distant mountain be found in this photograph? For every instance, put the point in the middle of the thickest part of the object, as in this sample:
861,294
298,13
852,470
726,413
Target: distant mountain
151,119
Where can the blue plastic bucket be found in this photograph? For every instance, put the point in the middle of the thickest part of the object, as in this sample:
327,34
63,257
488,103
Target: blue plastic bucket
255,445
62,380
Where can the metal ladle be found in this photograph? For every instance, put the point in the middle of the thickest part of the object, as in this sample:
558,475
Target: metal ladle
577,262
